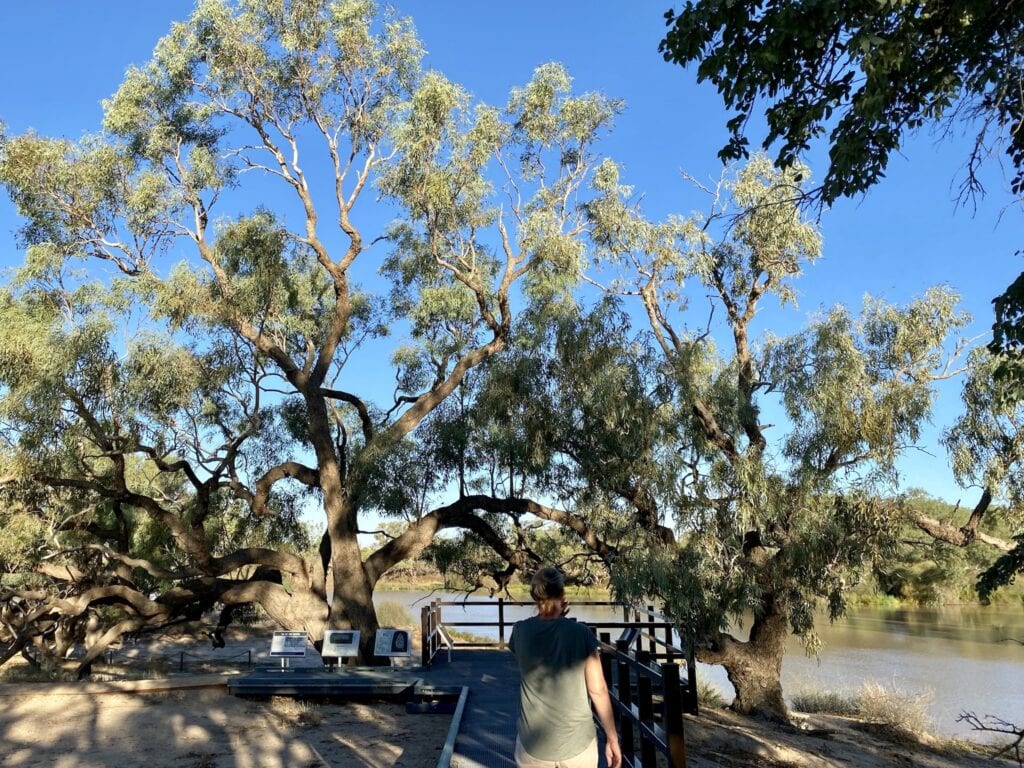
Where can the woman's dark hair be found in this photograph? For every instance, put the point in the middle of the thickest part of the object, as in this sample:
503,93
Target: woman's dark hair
547,584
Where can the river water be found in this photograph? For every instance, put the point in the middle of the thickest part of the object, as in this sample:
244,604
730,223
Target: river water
964,658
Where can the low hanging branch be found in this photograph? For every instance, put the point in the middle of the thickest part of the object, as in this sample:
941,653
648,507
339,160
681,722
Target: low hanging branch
967,533
461,514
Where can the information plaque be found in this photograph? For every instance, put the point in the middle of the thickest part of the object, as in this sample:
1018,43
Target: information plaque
288,645
341,643
392,642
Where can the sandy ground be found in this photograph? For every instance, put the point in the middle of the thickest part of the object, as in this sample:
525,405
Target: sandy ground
720,739
207,728
81,726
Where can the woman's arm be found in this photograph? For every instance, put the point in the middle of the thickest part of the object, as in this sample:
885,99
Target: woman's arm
598,691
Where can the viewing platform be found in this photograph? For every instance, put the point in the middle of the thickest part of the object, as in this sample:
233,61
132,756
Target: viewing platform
651,680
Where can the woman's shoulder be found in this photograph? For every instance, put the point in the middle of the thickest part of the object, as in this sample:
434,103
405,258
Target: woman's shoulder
585,635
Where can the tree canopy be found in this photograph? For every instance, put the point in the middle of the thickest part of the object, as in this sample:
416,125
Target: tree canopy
186,367
861,73
864,75
772,518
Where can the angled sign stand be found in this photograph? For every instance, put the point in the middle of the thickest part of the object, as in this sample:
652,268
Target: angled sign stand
392,642
288,645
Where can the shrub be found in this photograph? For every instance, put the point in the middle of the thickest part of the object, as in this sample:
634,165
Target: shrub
391,614
903,714
299,711
709,695
815,701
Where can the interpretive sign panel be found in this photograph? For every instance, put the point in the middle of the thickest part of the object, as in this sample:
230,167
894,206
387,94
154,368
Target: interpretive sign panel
342,643
288,645
392,642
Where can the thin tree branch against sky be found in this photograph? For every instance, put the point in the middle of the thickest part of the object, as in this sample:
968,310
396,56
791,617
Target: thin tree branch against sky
60,59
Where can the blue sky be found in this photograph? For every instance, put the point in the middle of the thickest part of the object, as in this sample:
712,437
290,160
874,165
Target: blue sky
61,57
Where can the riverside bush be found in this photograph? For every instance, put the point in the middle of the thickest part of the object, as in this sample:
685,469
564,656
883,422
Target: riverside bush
709,695
392,614
815,701
903,714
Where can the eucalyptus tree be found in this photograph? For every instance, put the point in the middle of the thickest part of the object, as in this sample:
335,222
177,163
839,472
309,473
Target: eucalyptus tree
772,519
196,340
986,445
568,402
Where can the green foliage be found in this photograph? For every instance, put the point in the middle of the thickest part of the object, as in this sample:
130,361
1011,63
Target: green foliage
1003,571
23,541
986,443
865,74
924,571
1008,339
852,386
769,523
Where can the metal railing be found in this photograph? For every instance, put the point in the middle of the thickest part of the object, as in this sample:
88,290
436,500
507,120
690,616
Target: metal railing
181,659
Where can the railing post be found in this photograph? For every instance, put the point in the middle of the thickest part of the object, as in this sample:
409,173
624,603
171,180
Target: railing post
652,646
501,623
691,677
645,705
624,684
425,636
673,718
669,643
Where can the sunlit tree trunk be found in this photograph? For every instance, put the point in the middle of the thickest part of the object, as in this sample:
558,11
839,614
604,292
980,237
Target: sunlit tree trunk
754,667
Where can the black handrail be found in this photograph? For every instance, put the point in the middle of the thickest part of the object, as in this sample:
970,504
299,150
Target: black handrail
635,709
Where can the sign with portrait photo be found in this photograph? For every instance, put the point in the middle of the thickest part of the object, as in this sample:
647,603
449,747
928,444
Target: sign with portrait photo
392,642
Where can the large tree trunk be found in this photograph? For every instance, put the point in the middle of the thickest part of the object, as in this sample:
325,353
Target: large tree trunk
352,588
353,607
754,667
352,603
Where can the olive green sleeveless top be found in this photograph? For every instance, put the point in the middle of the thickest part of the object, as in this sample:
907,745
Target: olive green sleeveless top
555,722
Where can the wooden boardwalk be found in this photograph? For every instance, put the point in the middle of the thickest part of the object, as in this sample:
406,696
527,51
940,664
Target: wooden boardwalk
487,736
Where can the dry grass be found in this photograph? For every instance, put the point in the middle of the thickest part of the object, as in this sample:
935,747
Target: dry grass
709,695
301,712
813,701
47,672
900,714
391,614
903,714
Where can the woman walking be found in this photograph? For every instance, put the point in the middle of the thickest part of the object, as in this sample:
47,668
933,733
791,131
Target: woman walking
560,669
